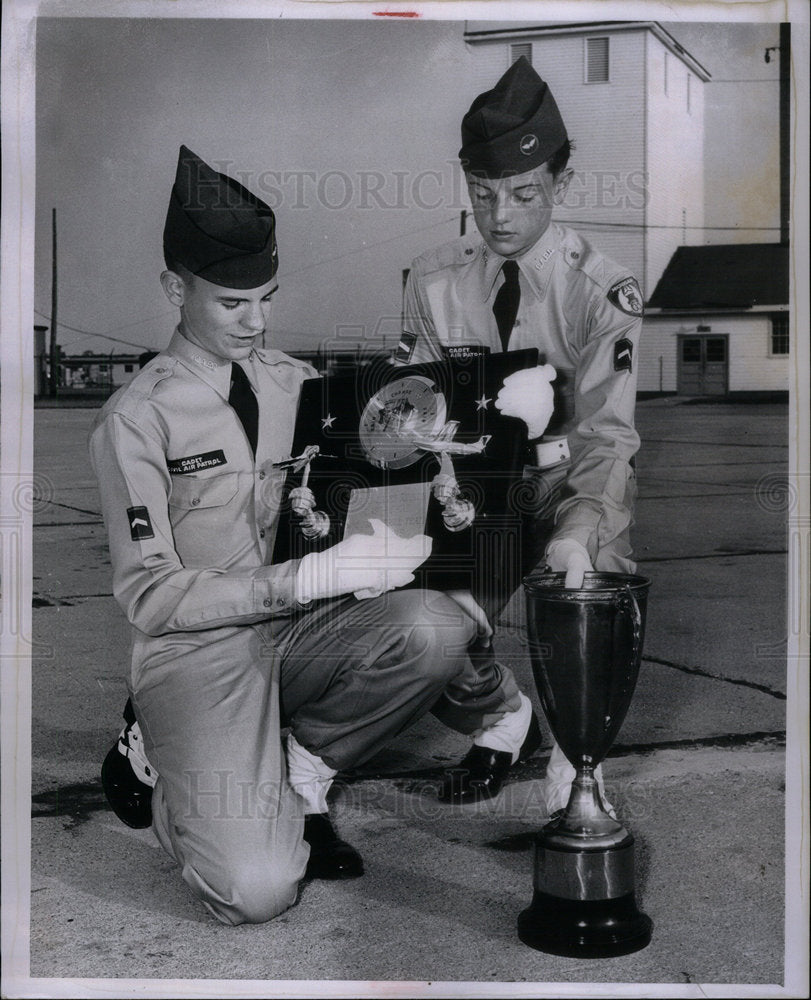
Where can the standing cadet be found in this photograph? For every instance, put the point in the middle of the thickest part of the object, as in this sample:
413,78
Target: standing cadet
525,282
227,648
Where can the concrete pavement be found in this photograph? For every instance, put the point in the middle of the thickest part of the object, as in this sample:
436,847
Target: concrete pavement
697,772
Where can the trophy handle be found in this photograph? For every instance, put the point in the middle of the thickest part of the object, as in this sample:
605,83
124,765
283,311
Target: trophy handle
626,604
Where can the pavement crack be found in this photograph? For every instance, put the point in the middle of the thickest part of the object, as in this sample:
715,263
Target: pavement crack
725,742
712,444
737,681
419,780
38,601
718,554
67,524
66,506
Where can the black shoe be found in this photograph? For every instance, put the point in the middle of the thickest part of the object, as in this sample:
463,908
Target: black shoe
129,797
330,857
483,771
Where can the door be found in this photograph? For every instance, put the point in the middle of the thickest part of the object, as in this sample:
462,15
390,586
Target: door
703,364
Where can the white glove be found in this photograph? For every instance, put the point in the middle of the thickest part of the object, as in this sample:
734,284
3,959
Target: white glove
528,395
366,565
565,555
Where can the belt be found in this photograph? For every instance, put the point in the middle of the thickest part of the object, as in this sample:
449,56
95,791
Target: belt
551,453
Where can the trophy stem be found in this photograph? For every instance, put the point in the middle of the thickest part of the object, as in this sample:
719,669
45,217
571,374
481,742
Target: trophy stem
585,815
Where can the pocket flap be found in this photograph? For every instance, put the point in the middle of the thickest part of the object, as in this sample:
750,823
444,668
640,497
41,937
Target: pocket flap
189,493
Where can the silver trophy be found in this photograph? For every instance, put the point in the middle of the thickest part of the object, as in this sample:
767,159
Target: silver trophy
585,646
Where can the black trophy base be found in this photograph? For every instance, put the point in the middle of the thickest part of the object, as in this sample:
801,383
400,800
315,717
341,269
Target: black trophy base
594,928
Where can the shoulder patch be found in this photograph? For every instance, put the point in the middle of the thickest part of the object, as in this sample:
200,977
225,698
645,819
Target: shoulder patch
405,348
623,355
140,523
626,296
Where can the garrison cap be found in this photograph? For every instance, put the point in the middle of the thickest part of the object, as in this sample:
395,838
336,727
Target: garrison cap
512,128
217,229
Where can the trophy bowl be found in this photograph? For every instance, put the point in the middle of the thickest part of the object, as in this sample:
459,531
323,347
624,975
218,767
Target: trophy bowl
585,648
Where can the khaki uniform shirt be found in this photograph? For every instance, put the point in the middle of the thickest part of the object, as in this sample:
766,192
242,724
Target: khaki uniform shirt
190,514
584,314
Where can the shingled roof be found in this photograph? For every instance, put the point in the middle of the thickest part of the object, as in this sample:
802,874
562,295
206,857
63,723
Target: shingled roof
735,275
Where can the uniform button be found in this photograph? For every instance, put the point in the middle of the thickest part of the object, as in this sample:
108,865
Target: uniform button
195,501
267,602
160,371
468,251
280,602
517,323
261,532
575,255
261,475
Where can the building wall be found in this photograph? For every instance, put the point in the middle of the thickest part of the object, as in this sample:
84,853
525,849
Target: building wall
120,374
751,366
675,158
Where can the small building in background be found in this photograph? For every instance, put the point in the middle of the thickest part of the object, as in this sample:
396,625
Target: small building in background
717,323
89,374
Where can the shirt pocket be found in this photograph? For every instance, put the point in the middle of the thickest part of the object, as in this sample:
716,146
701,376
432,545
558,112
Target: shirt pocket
199,493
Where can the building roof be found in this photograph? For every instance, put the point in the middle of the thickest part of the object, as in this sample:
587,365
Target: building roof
736,275
480,31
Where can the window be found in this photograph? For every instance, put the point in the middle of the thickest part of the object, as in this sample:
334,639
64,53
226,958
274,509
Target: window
523,49
691,349
596,60
716,348
780,344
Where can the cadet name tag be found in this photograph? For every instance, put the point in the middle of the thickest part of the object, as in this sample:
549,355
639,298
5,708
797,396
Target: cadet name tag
196,463
463,352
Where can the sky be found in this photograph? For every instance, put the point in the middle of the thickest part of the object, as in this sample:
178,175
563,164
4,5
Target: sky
349,129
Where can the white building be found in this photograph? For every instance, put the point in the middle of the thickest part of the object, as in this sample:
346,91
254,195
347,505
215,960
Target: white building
718,322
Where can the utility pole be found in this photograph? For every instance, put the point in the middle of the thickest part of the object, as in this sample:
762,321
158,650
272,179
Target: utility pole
54,352
785,131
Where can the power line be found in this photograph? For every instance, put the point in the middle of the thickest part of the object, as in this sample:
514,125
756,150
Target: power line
91,333
637,225
369,246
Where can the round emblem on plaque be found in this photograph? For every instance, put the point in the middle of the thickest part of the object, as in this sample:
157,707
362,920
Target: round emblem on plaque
399,419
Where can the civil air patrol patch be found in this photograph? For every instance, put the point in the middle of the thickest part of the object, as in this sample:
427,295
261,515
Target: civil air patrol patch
623,355
626,296
140,523
196,463
406,347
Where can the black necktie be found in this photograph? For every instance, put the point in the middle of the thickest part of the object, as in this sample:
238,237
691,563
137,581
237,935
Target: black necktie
242,399
505,307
